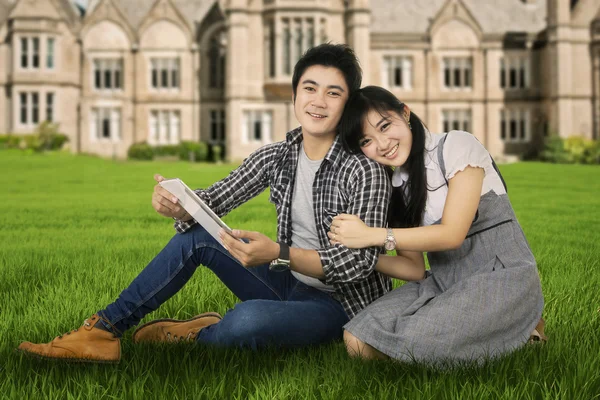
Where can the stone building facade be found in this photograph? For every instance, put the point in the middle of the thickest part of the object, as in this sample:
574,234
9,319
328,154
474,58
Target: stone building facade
162,71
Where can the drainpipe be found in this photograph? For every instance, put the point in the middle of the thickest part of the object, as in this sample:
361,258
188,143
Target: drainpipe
595,70
79,132
485,100
135,54
195,88
426,85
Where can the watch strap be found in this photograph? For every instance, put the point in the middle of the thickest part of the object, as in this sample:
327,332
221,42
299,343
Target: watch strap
390,240
284,251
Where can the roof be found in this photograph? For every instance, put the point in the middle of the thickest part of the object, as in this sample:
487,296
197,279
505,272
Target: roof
72,10
5,7
494,16
136,10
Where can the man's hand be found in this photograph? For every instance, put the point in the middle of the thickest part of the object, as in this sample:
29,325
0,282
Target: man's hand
165,203
259,249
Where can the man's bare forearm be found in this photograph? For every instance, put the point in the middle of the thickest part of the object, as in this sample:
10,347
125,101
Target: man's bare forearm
306,262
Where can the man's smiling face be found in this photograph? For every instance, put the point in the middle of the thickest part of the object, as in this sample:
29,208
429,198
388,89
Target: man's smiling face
321,95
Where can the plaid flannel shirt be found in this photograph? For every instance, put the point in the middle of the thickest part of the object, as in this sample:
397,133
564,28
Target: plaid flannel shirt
344,183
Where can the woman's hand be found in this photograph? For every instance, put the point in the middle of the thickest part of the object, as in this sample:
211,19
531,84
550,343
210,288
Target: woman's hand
350,231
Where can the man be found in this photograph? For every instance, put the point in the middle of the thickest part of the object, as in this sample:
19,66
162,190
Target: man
312,179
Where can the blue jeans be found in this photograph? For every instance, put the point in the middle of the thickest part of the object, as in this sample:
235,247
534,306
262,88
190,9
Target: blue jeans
276,308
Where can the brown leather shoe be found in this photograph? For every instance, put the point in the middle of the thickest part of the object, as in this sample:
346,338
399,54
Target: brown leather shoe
537,336
85,344
173,330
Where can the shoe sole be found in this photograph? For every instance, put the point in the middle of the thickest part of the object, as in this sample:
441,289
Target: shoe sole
68,360
203,315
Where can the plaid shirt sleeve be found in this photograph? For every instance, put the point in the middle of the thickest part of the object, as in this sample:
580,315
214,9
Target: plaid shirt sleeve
242,184
370,202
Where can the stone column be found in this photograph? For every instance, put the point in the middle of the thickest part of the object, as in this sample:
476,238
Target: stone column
561,78
236,74
358,18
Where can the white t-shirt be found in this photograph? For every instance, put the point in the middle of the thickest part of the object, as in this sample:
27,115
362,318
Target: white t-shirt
461,150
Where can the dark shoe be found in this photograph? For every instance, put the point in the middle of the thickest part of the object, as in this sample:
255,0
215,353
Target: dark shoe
537,336
85,344
172,330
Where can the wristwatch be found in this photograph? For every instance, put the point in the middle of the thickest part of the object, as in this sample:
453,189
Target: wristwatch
390,240
281,263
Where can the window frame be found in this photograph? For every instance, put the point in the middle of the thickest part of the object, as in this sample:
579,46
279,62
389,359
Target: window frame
170,120
50,106
217,125
389,69
157,67
97,114
452,116
521,65
116,70
287,36
216,56
50,56
457,68
31,49
249,119
30,110
522,125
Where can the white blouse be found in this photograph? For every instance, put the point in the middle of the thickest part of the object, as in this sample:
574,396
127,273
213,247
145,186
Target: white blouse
461,150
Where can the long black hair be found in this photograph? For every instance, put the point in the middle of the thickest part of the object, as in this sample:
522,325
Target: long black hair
407,207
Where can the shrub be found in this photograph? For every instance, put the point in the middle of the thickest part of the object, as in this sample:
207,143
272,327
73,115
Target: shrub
140,151
168,150
193,151
32,142
593,153
49,137
217,153
554,150
9,141
574,149
46,137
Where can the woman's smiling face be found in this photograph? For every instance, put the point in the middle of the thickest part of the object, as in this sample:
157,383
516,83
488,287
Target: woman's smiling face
387,138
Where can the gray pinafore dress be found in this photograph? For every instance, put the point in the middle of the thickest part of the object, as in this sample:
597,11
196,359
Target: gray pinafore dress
481,300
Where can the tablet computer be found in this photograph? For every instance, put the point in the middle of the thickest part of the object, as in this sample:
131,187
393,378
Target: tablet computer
196,207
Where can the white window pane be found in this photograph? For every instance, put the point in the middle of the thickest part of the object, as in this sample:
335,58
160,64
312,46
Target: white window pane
407,68
266,125
245,118
175,127
94,125
385,72
24,53
116,125
50,53
153,125
162,128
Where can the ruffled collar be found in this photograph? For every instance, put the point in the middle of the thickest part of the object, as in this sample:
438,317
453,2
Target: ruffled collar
399,177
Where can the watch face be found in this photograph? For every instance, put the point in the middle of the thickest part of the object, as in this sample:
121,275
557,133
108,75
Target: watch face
389,245
279,267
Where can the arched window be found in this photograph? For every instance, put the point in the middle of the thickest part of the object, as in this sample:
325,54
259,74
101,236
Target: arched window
216,56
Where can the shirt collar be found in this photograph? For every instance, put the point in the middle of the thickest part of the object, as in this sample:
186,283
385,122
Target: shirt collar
294,136
334,155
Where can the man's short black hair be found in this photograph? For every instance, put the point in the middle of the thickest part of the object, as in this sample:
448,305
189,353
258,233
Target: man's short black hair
339,56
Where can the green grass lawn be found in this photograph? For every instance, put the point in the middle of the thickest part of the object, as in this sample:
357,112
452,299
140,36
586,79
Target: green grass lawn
76,230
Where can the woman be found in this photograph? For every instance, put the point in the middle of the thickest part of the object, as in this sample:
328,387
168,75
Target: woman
482,296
